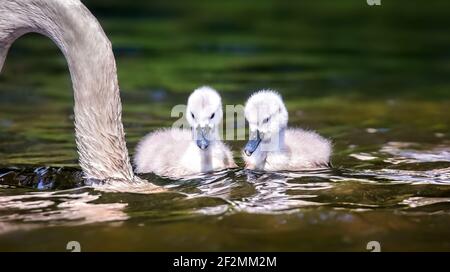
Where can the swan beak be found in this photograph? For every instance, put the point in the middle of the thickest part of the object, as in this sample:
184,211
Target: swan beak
252,144
202,140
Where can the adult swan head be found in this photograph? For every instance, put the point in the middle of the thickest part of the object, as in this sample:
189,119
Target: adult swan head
99,131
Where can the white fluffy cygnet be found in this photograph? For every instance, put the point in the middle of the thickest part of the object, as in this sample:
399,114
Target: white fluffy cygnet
273,146
176,153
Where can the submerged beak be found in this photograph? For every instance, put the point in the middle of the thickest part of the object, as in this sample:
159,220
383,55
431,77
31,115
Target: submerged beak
252,144
202,139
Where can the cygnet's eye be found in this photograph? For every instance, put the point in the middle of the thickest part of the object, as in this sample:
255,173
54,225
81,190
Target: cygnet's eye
193,116
266,120
212,116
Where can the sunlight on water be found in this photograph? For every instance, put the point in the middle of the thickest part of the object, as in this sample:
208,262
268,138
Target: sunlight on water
235,191
240,190
402,156
424,201
70,207
404,153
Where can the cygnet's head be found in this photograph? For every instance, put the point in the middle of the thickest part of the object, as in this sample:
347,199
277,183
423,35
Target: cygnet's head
267,116
204,113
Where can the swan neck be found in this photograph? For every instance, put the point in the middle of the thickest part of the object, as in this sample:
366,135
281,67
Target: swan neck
99,131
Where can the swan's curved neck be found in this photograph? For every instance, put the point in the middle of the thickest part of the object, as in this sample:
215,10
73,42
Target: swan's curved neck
98,122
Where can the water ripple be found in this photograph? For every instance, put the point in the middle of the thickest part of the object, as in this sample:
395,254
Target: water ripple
71,207
226,192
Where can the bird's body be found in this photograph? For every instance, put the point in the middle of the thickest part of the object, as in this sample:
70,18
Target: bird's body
273,146
303,150
179,152
172,153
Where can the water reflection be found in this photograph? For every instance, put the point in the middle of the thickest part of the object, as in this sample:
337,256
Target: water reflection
435,176
414,202
394,186
402,152
405,152
408,162
275,192
70,208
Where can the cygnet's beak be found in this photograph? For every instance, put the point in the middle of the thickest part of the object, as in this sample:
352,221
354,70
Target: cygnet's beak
202,138
252,144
